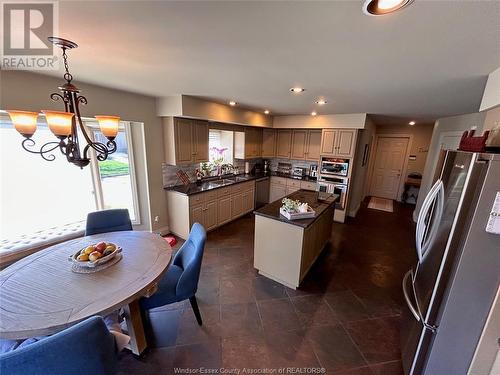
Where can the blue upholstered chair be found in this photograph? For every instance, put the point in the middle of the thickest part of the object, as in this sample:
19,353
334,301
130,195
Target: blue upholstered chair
108,221
85,348
180,282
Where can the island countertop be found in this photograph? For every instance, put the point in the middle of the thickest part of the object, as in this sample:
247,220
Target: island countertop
272,210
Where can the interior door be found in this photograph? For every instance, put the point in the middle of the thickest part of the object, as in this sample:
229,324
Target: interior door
388,167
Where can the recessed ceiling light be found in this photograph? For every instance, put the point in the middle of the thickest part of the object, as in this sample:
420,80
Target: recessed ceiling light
313,113
233,103
381,7
297,90
412,123
321,102
266,111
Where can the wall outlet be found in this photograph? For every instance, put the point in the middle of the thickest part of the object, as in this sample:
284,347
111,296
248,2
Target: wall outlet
157,219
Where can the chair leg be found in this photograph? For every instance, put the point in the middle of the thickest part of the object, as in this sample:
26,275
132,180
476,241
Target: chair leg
196,310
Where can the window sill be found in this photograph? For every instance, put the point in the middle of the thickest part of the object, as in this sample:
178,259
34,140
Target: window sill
13,250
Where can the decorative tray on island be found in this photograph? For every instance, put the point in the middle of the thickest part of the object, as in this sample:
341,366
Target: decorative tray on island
94,256
294,210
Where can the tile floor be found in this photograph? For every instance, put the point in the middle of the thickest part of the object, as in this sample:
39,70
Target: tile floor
345,317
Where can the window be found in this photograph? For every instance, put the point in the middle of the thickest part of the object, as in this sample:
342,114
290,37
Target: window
220,143
36,194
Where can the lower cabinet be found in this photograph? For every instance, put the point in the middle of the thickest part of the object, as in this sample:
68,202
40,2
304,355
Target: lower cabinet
225,215
211,209
236,205
276,192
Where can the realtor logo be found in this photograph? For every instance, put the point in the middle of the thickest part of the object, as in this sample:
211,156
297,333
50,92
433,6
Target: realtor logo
26,26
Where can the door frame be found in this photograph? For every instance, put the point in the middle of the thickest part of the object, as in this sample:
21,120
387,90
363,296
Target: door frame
405,164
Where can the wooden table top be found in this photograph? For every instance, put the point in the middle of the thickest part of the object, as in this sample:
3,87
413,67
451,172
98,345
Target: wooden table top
40,295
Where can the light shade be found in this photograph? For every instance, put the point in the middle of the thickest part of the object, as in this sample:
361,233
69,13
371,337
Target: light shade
59,122
24,122
108,125
381,7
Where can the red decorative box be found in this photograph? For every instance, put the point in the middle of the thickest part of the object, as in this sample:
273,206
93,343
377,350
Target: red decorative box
471,143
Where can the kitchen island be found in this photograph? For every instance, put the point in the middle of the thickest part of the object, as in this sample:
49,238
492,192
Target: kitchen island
285,250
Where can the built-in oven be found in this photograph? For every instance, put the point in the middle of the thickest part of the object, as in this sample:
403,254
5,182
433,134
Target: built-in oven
334,167
334,185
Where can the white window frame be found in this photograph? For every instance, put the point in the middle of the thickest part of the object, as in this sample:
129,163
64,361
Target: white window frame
91,126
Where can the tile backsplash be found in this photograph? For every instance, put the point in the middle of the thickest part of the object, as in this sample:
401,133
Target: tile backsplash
170,178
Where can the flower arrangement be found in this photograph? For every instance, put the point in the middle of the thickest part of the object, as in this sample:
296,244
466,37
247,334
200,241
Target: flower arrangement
292,206
217,155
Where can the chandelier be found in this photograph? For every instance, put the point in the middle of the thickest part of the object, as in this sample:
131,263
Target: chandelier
66,125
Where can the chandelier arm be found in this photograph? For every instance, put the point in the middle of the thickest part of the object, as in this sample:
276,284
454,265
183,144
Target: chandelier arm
44,149
102,151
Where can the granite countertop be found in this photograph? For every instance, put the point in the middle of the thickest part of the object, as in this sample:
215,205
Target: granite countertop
272,210
196,188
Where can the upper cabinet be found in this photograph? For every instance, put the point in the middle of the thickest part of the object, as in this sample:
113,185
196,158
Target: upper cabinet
186,141
283,144
338,142
268,143
248,143
306,144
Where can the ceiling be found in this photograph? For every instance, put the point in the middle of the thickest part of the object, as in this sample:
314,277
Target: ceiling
427,61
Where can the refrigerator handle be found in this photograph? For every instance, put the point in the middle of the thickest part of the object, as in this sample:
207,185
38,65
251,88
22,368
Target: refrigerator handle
438,212
421,217
407,297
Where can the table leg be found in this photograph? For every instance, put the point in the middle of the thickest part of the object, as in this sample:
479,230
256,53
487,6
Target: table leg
135,327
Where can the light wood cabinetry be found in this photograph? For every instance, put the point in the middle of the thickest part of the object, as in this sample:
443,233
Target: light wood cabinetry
225,215
248,143
280,187
283,144
299,141
186,141
338,142
268,143
211,209
306,145
313,145
308,185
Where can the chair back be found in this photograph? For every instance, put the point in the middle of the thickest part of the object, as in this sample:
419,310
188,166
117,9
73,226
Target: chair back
85,348
189,258
108,221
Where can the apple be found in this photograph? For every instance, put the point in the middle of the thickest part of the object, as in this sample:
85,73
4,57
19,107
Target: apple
94,256
89,249
100,247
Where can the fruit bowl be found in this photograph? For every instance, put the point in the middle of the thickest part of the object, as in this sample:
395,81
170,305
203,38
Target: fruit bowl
95,255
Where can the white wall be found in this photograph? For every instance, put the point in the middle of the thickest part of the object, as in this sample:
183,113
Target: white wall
358,179
455,123
30,91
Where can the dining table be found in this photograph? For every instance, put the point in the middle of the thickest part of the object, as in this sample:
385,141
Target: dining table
41,294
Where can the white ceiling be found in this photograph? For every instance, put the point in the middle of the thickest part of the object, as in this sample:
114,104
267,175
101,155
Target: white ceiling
429,60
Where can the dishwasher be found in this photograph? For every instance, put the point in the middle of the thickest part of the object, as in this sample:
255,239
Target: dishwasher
261,192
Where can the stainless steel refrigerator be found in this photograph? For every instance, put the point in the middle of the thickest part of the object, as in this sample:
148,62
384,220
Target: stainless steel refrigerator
451,289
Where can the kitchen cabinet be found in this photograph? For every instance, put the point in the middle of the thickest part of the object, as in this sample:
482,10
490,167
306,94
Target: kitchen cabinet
236,205
299,140
313,146
248,200
276,192
269,143
185,140
308,185
283,144
306,145
338,142
211,209
248,143
225,215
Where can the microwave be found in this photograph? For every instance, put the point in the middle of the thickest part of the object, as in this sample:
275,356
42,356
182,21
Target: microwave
334,167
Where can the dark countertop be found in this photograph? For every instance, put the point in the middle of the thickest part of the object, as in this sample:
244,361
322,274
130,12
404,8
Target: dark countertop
195,188
272,210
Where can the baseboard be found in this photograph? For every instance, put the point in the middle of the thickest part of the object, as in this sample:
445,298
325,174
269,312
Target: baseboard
162,231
